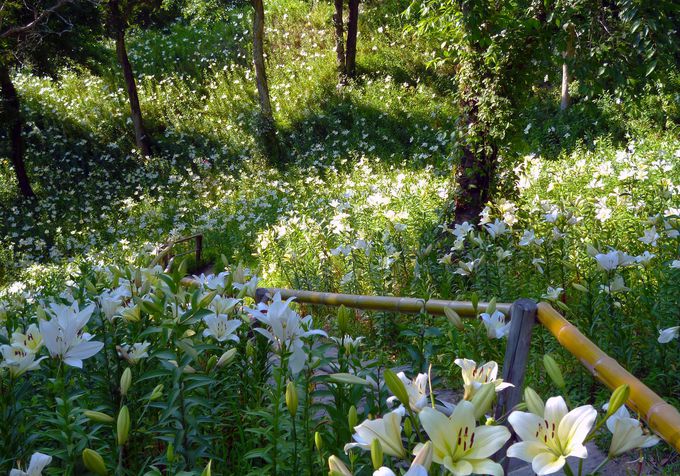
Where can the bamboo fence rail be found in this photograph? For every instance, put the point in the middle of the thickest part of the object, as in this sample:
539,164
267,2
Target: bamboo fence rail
662,418
386,303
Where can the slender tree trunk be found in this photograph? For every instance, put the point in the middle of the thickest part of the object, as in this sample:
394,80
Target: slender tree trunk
267,126
15,122
352,30
568,55
141,138
340,39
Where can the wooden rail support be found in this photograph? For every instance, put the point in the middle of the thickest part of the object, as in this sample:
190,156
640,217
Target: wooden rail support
522,320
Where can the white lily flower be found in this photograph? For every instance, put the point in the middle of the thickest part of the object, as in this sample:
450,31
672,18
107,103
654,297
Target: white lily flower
497,228
416,389
387,430
111,302
32,340
348,343
496,327
467,268
529,237
250,286
474,377
608,261
552,294
63,334
627,433
286,329
650,237
221,327
212,281
667,335
35,466
222,305
414,470
18,359
461,230
547,441
137,352
459,444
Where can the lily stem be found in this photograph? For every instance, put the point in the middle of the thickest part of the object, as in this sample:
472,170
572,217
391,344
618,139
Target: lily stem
600,466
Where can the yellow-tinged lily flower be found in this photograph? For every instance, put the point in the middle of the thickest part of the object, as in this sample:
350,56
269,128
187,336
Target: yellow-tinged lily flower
387,430
32,340
547,441
459,444
627,433
474,377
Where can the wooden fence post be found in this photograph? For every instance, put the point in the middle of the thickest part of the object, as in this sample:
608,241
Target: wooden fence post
522,320
199,250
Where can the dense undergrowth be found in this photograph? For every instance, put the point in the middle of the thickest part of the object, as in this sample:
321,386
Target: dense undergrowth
360,206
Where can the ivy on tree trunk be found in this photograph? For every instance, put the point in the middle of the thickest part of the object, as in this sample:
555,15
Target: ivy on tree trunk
267,126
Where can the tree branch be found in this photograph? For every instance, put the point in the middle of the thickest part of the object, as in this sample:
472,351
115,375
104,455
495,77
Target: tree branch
18,30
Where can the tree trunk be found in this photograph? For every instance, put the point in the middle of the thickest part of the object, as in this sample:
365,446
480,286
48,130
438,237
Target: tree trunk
474,176
11,108
267,126
352,30
340,39
141,138
568,55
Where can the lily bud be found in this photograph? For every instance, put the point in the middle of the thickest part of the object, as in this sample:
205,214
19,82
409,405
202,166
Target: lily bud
475,302
491,308
454,318
125,381
483,399
41,314
424,456
376,453
534,402
138,277
208,469
250,350
94,462
212,361
90,287
291,398
337,467
156,393
98,417
344,319
123,425
580,287
553,371
170,452
352,417
397,387
349,379
318,441
408,428
227,357
618,399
